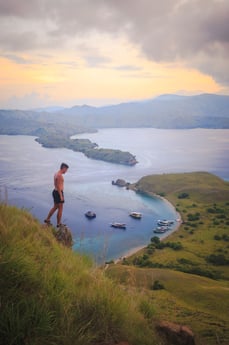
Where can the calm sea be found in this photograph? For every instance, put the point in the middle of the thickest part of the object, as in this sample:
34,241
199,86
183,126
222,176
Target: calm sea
27,172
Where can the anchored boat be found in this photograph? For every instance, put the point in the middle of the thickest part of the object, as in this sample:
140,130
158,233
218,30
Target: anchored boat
136,215
160,230
118,225
90,214
165,222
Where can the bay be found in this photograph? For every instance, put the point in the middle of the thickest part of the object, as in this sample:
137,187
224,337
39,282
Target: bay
27,170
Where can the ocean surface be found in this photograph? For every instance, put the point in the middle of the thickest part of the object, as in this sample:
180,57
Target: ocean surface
26,180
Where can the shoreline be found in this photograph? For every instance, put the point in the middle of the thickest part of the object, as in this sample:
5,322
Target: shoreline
137,249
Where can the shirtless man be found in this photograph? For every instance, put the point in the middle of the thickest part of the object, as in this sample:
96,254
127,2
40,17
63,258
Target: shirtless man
58,195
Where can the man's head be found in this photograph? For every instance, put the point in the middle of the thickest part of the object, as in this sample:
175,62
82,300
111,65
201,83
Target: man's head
64,167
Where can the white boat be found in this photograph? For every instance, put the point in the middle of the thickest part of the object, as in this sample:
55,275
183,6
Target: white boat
160,229
136,215
165,222
118,225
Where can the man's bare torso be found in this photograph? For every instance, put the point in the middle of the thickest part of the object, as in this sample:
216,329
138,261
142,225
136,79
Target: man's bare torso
59,181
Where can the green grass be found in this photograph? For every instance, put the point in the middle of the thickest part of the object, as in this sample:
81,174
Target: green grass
189,296
199,302
198,234
50,295
201,186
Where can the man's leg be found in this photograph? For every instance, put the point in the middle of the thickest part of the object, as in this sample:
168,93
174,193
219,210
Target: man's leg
59,213
53,209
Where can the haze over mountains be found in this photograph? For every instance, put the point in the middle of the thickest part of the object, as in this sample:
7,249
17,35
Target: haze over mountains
165,111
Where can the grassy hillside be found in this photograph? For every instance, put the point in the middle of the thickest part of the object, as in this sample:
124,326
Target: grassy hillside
199,302
203,202
202,187
193,263
50,295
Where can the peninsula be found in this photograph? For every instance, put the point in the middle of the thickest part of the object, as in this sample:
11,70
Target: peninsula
90,149
55,131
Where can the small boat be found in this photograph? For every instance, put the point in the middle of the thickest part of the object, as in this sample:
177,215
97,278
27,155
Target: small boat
118,225
160,230
165,222
90,214
136,215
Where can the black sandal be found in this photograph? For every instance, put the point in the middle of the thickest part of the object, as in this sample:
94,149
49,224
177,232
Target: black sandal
47,222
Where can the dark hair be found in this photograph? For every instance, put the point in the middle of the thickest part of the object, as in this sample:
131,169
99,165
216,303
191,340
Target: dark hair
64,165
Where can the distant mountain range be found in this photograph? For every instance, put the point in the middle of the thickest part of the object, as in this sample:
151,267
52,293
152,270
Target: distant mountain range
165,111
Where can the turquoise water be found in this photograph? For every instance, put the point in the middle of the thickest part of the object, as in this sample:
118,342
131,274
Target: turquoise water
27,171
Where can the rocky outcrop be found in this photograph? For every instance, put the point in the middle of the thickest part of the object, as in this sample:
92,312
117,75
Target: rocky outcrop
120,183
63,235
176,334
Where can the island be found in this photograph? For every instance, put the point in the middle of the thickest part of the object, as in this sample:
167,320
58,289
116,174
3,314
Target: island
53,130
87,147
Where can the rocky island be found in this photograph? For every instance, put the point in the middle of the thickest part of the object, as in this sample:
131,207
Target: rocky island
87,147
55,131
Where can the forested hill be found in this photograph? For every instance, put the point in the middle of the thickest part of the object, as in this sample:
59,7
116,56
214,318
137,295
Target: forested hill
166,111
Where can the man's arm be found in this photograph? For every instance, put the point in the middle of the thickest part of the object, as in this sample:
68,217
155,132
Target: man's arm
59,186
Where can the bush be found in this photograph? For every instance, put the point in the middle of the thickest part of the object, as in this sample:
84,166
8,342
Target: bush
172,245
225,237
193,217
183,195
147,309
211,210
161,194
215,222
155,239
157,285
184,261
192,225
201,272
221,216
217,259
142,261
215,210
150,251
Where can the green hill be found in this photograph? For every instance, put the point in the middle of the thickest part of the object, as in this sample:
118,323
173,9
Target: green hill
202,199
191,266
50,295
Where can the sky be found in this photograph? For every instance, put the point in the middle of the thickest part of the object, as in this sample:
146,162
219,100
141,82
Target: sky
98,52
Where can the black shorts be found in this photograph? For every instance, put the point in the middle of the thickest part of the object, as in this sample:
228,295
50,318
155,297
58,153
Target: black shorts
56,197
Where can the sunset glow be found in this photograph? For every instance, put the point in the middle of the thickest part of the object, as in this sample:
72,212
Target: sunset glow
97,64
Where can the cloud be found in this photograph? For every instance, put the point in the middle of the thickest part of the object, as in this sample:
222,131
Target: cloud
28,101
127,68
192,32
16,58
97,61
